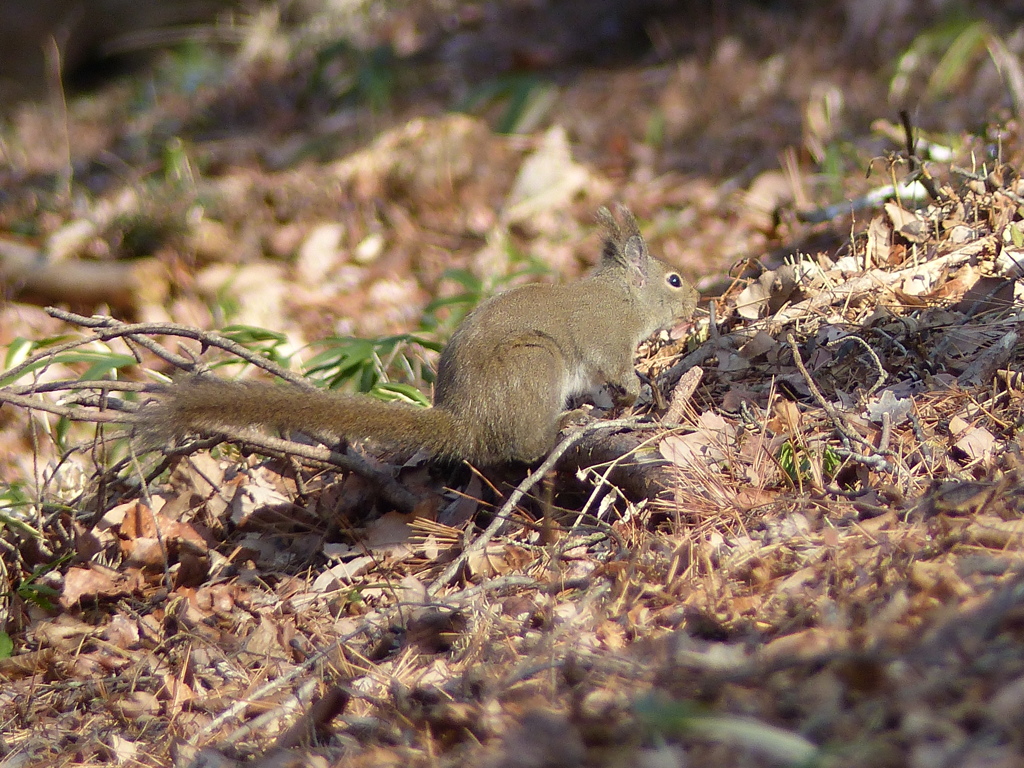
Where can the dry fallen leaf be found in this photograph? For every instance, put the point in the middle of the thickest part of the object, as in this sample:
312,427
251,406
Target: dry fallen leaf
977,442
89,582
711,441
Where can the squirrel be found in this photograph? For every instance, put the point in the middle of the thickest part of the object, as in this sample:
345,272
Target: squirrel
503,379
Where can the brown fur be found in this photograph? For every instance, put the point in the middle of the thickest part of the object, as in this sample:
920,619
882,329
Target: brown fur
503,379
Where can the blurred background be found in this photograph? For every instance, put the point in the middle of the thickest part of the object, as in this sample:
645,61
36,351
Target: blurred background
335,166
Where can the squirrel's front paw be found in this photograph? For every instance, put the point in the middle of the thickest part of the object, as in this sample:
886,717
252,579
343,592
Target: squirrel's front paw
578,417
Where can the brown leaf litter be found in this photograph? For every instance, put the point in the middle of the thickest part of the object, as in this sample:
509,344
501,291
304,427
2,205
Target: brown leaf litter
832,573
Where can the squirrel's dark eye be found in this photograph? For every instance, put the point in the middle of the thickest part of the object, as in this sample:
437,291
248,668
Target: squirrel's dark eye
675,281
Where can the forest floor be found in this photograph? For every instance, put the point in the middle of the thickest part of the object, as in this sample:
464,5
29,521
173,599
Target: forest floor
814,560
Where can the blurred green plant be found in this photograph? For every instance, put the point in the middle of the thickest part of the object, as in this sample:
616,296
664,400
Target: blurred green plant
269,344
163,208
663,718
32,591
101,362
367,365
20,348
225,305
178,167
347,74
446,312
835,166
191,66
654,131
949,51
13,502
524,100
141,233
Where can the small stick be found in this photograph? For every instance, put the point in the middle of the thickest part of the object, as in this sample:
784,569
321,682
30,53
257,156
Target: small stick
501,517
70,413
390,489
137,332
681,394
847,435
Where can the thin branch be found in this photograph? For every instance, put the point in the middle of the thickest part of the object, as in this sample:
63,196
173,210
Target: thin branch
390,489
137,332
846,434
104,385
393,492
71,413
882,375
503,515
878,463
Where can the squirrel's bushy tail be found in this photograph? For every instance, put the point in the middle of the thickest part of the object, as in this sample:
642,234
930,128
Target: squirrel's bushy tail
206,405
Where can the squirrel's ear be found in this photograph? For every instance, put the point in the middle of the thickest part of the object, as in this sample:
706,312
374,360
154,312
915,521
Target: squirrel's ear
635,258
624,246
635,251
617,239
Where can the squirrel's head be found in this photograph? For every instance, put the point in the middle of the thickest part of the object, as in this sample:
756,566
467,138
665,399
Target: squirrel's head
659,291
